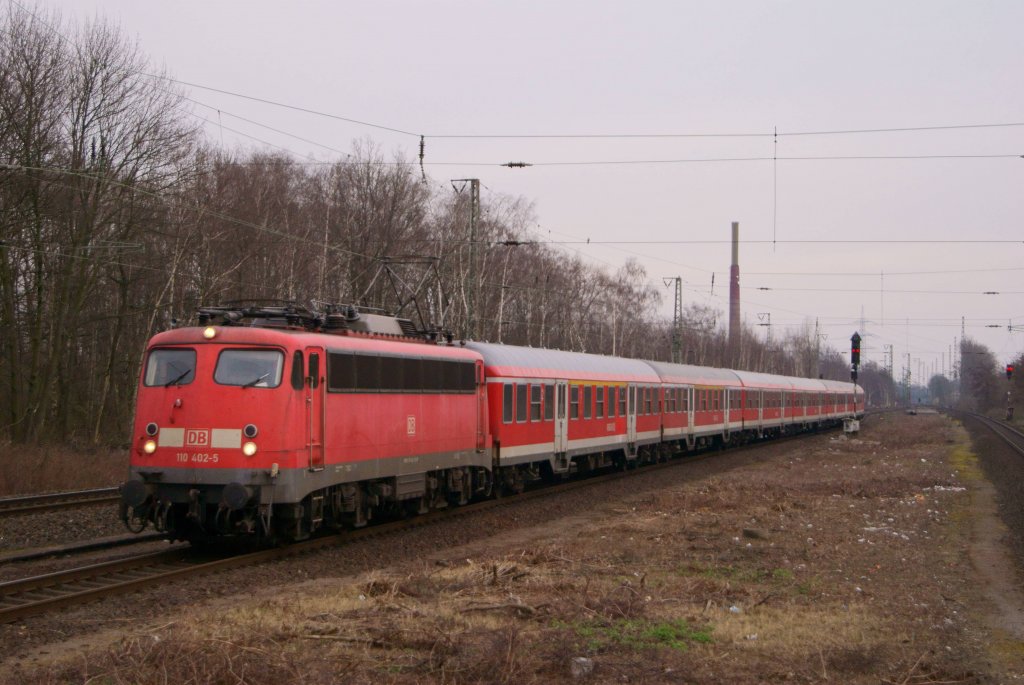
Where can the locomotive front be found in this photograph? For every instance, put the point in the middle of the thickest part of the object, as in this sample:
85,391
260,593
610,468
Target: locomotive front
218,419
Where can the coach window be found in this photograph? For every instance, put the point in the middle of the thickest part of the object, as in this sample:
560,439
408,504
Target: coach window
521,403
623,392
549,402
599,411
574,402
613,395
648,400
171,367
535,402
506,403
588,398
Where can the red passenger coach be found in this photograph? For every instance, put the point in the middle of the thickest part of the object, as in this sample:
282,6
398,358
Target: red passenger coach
278,430
553,412
701,403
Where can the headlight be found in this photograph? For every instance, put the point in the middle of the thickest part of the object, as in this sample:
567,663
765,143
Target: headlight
209,332
151,429
250,430
249,449
149,447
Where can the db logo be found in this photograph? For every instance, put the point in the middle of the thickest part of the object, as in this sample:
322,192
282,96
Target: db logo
410,425
197,438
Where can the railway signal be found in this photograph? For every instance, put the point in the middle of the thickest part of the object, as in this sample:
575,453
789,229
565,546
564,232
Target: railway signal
1009,371
854,355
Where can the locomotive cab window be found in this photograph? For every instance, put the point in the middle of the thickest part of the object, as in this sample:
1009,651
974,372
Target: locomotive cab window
169,367
249,368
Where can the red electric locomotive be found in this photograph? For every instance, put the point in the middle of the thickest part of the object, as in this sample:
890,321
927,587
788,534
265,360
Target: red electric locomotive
297,421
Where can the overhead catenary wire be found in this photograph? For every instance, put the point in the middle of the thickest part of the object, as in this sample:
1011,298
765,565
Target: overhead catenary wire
576,135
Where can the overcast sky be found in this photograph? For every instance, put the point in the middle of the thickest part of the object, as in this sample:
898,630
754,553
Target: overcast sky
449,68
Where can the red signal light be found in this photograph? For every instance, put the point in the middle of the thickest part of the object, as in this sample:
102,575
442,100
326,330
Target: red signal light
1009,371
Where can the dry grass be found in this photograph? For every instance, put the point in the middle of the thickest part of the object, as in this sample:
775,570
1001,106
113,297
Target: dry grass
31,469
842,564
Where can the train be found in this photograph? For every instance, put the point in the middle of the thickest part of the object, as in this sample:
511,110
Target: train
271,423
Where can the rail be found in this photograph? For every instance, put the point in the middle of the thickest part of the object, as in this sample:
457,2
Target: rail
28,504
1010,435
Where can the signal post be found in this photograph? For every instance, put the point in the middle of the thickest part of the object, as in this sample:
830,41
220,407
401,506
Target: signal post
1009,393
853,425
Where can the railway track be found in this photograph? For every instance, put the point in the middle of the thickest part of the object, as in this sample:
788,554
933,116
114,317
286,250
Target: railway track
73,548
27,597
1010,435
28,504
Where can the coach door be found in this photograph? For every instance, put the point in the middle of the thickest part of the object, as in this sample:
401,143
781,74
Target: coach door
631,418
315,407
481,407
561,417
727,401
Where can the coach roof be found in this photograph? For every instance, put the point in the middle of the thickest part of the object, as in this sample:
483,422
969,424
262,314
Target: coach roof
529,362
695,375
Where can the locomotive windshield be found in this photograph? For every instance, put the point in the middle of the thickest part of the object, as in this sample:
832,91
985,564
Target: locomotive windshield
249,368
170,367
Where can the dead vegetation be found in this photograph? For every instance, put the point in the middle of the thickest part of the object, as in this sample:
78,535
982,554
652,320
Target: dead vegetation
841,562
28,469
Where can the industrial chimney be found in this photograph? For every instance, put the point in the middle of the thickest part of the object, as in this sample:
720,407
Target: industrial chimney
734,295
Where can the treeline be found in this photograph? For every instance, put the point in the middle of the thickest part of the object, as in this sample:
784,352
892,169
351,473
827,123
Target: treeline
983,385
118,219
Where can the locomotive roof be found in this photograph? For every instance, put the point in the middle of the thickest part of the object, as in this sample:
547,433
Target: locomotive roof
255,335
695,375
530,362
